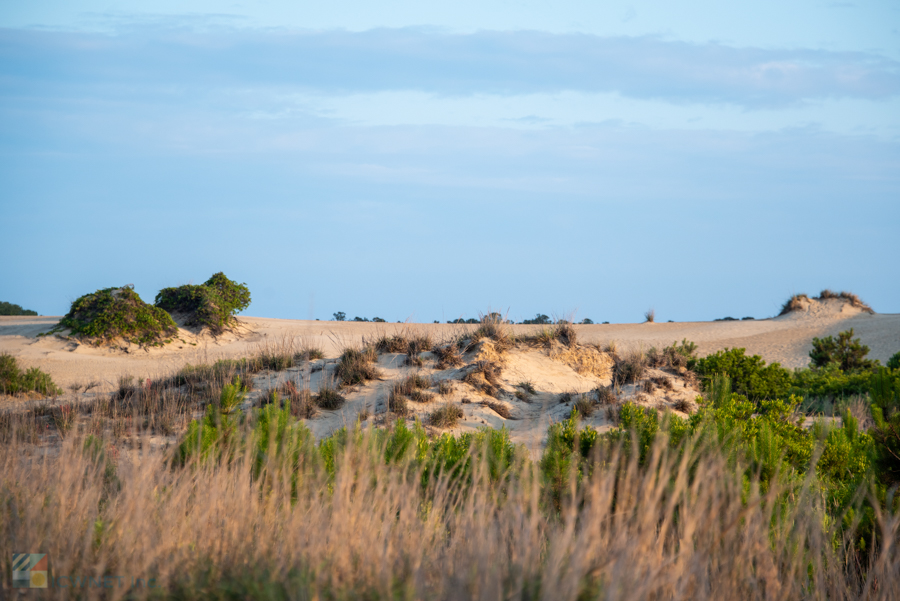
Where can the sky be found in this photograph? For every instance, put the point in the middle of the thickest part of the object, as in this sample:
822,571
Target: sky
423,160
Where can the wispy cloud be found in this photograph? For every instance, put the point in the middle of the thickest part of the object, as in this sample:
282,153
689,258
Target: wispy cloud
491,62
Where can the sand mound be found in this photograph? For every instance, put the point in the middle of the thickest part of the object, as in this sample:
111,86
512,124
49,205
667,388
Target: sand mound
801,307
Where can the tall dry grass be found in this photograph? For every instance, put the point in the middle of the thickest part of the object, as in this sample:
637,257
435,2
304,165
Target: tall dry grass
677,528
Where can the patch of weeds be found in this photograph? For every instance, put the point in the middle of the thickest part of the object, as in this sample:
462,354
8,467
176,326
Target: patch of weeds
391,344
851,298
583,406
63,418
485,376
649,316
445,416
448,356
302,403
527,386
493,326
212,304
675,356
566,397
663,382
329,398
795,303
683,405
499,408
565,333
605,395
629,369
413,388
648,386
117,313
444,387
357,366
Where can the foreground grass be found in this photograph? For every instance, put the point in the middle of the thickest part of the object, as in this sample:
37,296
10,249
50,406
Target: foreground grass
392,515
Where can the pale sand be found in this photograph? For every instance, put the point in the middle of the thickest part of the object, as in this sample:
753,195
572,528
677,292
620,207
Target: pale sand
786,339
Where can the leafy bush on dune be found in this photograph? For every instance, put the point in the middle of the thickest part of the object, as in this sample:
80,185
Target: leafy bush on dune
13,309
750,376
845,352
14,381
212,305
118,313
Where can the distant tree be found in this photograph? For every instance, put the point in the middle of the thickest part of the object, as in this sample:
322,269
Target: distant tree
539,319
359,319
586,321
377,320
845,352
339,316
13,309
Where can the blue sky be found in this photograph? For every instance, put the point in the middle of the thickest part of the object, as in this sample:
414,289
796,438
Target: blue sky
425,160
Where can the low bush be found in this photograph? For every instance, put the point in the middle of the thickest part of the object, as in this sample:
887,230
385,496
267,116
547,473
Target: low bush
584,406
894,361
212,305
750,376
13,309
15,381
118,313
845,352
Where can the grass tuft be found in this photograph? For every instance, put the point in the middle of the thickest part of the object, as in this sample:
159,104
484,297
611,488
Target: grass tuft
445,416
356,366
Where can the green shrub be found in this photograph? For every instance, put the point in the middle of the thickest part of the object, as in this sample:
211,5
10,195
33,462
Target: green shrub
894,361
750,376
212,305
845,352
118,313
14,381
12,309
830,382
885,393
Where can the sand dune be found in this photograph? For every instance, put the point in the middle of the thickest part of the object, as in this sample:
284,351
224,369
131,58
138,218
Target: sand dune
786,339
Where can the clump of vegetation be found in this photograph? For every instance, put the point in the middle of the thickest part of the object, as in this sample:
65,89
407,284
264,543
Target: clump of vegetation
851,298
493,327
795,303
894,361
445,416
539,319
413,387
15,381
629,368
750,376
356,366
118,313
674,356
649,316
584,406
485,377
605,395
845,352
448,356
302,403
444,387
212,305
329,398
13,309
499,408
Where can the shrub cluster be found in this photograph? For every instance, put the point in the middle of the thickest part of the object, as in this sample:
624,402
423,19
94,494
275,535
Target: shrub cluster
15,381
750,376
118,313
212,304
845,352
